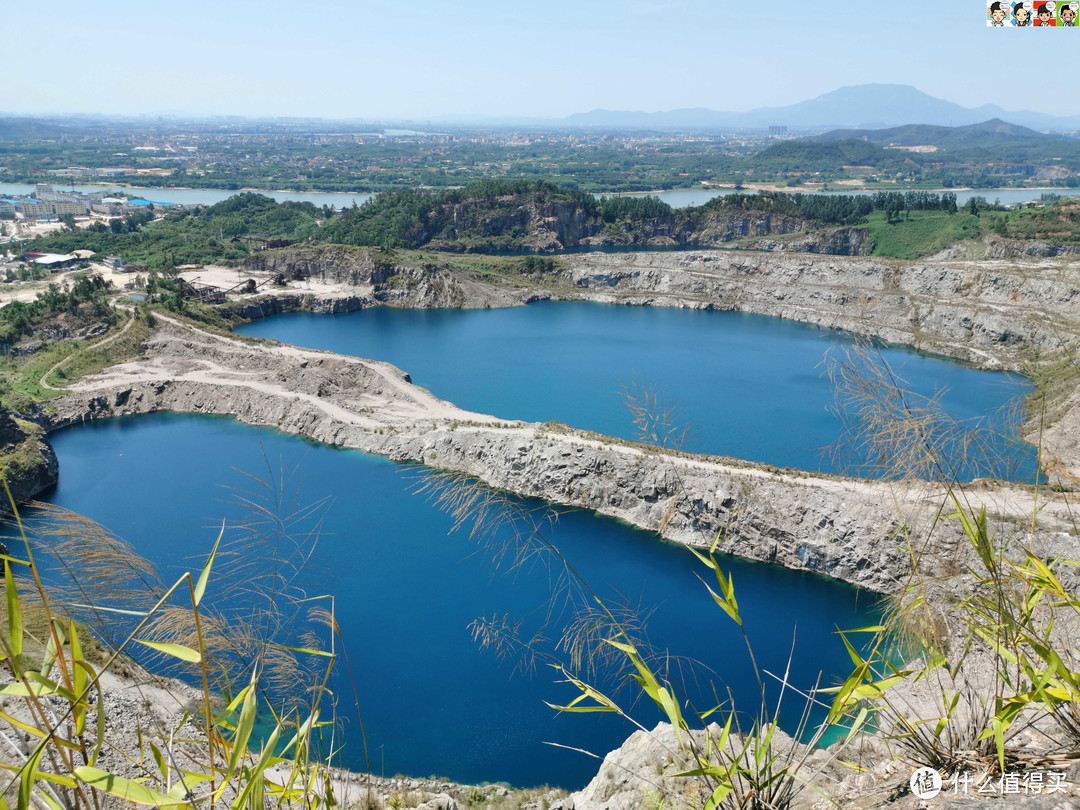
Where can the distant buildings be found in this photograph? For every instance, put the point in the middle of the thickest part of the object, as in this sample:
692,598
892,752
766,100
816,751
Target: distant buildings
49,203
109,171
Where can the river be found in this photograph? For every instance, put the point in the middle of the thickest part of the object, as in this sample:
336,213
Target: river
676,198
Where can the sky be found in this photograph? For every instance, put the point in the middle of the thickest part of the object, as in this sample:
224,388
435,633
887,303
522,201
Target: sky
418,59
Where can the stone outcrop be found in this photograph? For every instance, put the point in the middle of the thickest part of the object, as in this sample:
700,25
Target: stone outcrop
371,277
27,458
836,242
991,313
542,223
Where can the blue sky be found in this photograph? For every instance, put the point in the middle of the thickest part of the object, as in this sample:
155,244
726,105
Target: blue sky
421,59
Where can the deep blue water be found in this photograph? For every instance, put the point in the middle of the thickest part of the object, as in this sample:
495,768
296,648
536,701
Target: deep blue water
432,702
746,385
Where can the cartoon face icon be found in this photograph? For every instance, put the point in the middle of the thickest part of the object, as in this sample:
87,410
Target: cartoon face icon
998,13
1022,14
1068,15
1045,15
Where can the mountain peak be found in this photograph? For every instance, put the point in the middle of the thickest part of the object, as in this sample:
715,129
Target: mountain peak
852,106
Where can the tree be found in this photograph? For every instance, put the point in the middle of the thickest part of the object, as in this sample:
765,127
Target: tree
69,221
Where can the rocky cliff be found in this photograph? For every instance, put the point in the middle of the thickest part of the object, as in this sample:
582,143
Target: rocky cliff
359,278
529,217
27,459
994,313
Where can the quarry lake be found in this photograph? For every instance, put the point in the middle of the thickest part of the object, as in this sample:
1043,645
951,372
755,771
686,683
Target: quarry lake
748,386
407,591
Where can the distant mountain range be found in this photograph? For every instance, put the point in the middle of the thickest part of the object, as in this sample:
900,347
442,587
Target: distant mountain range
867,106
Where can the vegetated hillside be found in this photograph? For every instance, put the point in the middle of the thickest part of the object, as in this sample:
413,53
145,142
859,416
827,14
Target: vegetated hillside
994,146
831,158
1057,224
191,236
496,215
536,216
986,134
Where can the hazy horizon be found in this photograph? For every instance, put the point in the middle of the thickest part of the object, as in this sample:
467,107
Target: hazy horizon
377,61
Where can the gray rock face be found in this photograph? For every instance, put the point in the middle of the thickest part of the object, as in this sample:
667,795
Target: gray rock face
991,313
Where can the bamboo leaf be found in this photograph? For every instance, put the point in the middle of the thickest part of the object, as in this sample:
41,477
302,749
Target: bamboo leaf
123,788
200,587
15,629
30,770
255,778
51,650
174,650
160,760
721,793
140,613
244,725
303,650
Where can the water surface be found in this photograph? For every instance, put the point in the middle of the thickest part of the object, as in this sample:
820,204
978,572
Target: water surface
432,702
743,385
676,198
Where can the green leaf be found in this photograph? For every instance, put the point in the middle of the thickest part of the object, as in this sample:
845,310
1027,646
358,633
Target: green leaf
721,793
123,788
174,650
255,778
26,784
15,629
244,725
303,650
79,673
56,634
629,649
200,587
160,760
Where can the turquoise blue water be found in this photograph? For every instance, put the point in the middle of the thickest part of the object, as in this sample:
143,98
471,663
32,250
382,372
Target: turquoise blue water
432,701
745,385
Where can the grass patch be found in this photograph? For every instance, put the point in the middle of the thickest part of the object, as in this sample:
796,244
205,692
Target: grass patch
1055,378
24,458
20,379
92,359
208,317
920,233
